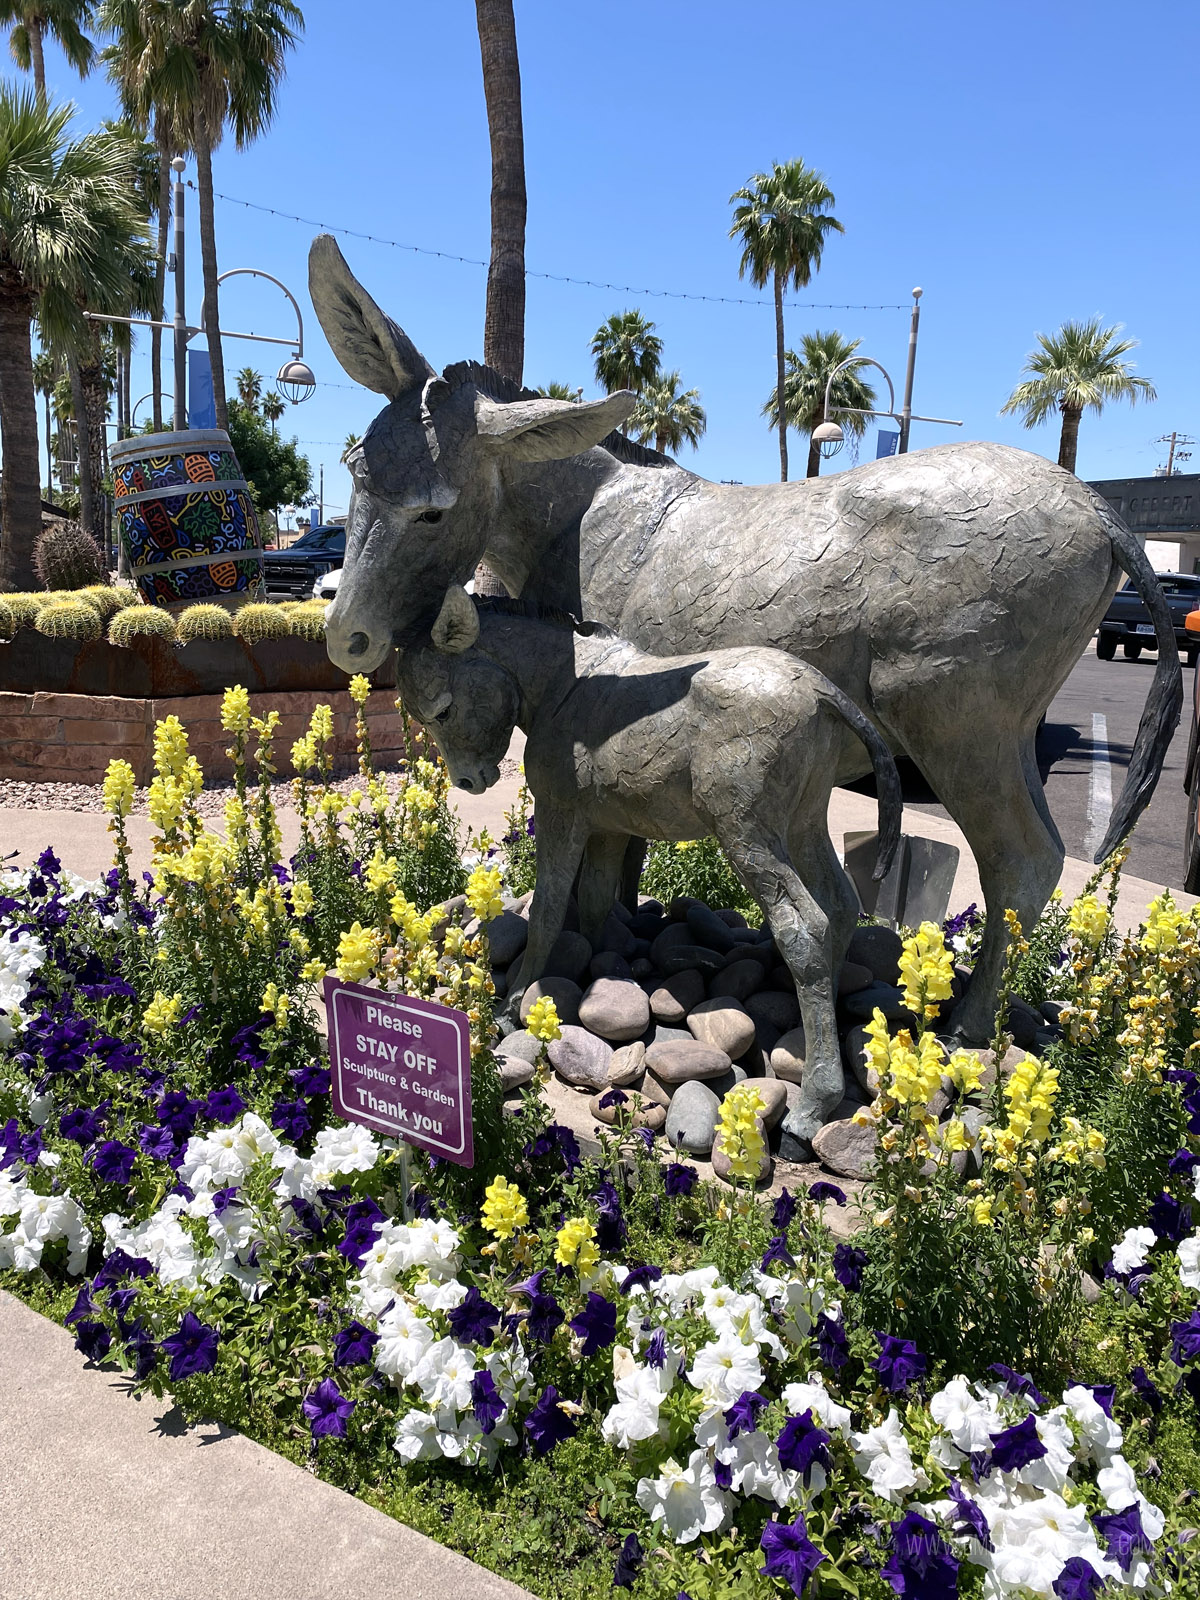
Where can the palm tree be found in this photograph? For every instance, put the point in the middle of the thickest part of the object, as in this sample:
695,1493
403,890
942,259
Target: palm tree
504,320
781,219
805,380
204,64
559,391
353,440
45,377
273,407
668,417
249,387
627,352
56,195
1077,369
64,21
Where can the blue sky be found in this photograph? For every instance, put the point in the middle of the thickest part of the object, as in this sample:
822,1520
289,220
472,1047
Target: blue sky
1022,162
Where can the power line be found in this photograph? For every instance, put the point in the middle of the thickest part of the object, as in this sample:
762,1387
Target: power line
550,277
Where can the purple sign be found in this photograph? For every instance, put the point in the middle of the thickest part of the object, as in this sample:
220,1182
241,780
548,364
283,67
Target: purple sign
401,1066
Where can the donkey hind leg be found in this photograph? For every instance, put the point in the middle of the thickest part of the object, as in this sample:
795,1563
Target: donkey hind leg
803,933
559,845
600,880
811,848
1017,851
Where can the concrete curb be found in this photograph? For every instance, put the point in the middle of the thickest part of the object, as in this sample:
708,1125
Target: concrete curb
101,1496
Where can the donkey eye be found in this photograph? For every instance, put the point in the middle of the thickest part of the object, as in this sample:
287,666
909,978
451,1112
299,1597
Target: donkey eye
433,515
444,716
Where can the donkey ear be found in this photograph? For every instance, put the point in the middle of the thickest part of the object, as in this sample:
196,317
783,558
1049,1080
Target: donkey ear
457,625
550,430
370,347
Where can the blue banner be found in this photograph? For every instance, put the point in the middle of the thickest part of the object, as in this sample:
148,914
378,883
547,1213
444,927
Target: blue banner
885,443
202,408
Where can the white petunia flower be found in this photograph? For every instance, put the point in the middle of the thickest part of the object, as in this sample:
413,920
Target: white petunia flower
342,1150
635,1417
1099,1436
1189,1261
815,1397
969,1420
724,1368
883,1457
404,1337
1133,1249
1117,1484
444,1375
1033,1538
685,1499
417,1437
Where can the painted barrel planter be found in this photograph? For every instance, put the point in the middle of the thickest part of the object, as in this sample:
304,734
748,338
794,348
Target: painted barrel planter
187,521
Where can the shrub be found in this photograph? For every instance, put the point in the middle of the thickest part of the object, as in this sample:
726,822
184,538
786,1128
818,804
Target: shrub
69,620
24,608
8,623
141,622
108,601
261,621
205,622
308,622
67,557
699,869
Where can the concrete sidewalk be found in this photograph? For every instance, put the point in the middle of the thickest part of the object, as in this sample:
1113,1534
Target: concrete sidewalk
105,1497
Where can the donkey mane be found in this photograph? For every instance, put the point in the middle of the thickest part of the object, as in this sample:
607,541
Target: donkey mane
504,606
494,385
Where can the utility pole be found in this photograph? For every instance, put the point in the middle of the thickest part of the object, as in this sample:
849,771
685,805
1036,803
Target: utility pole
1175,442
910,373
180,324
321,497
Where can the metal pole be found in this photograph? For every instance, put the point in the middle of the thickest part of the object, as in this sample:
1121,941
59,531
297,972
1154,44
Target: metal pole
321,509
906,410
181,328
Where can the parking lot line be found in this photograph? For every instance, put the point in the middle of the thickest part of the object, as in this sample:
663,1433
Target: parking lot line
1099,785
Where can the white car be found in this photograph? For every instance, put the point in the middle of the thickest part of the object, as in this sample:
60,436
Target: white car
326,586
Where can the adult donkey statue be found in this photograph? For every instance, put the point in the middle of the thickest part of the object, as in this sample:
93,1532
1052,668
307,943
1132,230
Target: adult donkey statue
948,592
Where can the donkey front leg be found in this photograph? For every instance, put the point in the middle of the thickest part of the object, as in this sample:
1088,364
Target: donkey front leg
804,936
561,836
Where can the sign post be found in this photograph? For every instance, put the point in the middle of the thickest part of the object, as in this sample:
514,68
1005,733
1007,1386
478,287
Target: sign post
402,1066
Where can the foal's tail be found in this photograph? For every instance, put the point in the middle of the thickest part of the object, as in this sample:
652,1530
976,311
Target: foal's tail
887,779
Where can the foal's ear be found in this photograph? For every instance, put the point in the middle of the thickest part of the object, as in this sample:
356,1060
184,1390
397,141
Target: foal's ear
457,626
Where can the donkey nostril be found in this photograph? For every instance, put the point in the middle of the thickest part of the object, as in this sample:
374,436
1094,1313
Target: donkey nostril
358,643
467,784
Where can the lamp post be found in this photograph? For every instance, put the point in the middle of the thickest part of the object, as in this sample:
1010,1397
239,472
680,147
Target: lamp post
830,432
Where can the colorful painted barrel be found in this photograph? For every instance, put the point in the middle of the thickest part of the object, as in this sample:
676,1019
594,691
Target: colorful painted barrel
187,521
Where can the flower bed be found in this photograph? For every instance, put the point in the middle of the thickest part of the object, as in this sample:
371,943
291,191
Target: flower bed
594,1372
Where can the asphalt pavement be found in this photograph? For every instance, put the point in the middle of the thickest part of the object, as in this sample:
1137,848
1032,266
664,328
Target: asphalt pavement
1073,748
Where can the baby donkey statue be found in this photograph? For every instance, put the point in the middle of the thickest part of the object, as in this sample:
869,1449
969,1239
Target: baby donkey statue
737,743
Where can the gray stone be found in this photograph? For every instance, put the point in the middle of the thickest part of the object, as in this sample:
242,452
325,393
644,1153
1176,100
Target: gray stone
580,1059
518,903
570,957
846,1148
514,1073
565,994
628,1065
616,937
671,938
692,1118
738,981
522,1045
499,982
752,949
664,1034
622,912
610,965
1024,1022
728,1080
878,949
684,956
674,997
616,1009
637,1111
721,1167
773,1094
851,978
766,1035
862,1004
787,1058
708,928
641,967
724,1024
507,934
734,920
678,1061
782,1011
654,1090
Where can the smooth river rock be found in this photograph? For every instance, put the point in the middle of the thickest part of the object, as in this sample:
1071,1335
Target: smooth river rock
565,994
628,1065
581,1059
692,1118
787,1058
878,949
674,997
781,1010
738,981
637,1111
507,934
676,1061
617,1009
723,1023
570,957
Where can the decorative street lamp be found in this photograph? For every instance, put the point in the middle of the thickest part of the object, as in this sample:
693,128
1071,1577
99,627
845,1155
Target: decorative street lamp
830,434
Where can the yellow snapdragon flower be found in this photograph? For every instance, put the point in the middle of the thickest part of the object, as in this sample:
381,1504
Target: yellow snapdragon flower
542,1021
926,971
360,688
575,1247
1088,920
235,710
504,1209
276,1003
358,952
483,893
162,1013
739,1131
1163,921
119,788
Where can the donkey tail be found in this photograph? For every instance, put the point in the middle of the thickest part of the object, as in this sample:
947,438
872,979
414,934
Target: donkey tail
1160,715
887,779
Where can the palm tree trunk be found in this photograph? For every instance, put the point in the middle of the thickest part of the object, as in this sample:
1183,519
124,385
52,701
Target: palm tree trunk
160,272
780,374
208,259
1068,443
20,491
504,322
49,453
37,59
83,446
814,459
126,391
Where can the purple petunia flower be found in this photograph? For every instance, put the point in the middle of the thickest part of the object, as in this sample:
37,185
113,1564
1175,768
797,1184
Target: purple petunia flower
1147,1388
1124,1535
545,1314
968,1517
114,1161
723,1474
486,1403
849,1264
639,1277
143,1352
328,1410
48,863
614,1099
1170,1218
610,1228
353,1344
224,1105
832,1344
920,1566
742,1415
1183,1163
802,1445
81,1126
823,1190
898,1363
117,1265
92,1339
656,1351
1017,1446
1017,1382
1185,1339
791,1554
777,1250
178,1112
307,1215
596,1324
474,1319
193,1349
679,1179
311,1080
547,1424
292,1118
160,1144
1104,1394
783,1211
362,1220
83,1304
629,1562
1078,1580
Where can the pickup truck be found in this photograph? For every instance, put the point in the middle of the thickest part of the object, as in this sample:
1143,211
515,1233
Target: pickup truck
1127,622
298,567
